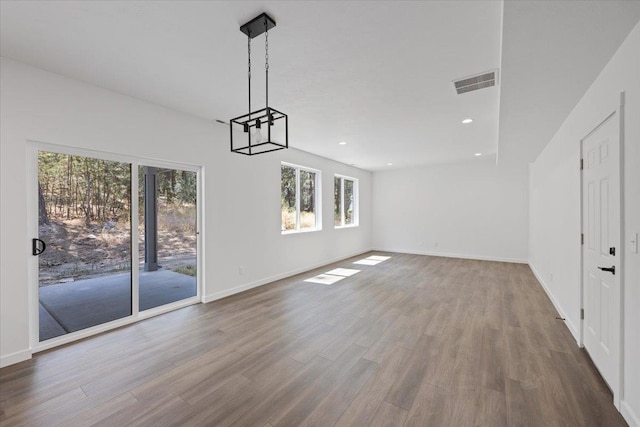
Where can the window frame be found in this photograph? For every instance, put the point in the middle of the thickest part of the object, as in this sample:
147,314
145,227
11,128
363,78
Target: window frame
317,198
356,202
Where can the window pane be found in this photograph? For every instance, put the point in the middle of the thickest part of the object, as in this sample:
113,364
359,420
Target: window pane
84,276
288,197
168,235
307,199
348,202
337,201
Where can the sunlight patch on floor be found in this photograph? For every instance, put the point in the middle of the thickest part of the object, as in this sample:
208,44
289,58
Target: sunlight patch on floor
325,279
346,272
372,260
337,274
378,257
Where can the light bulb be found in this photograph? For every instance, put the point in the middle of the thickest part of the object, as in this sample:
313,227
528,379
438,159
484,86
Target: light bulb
258,135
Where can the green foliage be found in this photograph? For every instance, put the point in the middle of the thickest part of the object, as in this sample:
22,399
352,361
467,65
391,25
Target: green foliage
340,185
308,191
177,186
82,187
100,190
289,197
288,188
348,201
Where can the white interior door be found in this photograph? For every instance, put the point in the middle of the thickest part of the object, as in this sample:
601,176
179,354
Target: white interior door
601,249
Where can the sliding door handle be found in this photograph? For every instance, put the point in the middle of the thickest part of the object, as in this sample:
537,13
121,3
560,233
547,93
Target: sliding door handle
37,246
611,269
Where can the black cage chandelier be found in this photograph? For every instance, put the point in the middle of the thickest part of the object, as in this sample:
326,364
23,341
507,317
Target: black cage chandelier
266,129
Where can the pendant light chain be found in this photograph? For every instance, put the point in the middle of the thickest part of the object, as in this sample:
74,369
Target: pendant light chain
266,62
249,72
266,47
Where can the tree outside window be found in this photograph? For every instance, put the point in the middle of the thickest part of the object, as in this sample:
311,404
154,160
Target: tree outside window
299,200
345,206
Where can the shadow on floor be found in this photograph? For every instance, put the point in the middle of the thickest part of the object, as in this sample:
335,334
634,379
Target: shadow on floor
70,307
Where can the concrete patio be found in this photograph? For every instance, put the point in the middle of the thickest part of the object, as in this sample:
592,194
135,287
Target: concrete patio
70,307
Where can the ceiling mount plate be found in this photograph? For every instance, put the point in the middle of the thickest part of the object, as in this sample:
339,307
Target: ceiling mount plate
256,26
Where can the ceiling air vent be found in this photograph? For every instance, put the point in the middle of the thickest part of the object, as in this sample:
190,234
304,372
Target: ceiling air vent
479,81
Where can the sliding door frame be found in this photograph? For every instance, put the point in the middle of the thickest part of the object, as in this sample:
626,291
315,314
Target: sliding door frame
33,147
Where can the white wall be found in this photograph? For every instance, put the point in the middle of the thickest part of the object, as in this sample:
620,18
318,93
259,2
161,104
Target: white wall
555,206
470,210
242,194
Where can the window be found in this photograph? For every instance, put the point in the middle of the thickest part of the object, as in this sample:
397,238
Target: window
345,197
299,196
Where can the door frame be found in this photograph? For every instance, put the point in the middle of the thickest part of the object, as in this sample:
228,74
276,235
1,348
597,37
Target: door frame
619,110
32,229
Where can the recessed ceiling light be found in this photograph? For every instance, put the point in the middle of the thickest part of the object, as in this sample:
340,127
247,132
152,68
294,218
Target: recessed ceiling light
389,164
467,121
342,143
478,154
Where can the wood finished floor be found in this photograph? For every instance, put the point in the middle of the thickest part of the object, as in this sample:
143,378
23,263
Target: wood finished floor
415,341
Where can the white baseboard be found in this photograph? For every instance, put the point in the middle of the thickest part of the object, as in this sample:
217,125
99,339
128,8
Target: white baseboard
629,415
260,282
13,358
450,255
572,328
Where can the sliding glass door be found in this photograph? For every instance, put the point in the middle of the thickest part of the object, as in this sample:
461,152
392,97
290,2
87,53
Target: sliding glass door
89,220
84,236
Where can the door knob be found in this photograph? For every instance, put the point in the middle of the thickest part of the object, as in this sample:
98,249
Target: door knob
611,269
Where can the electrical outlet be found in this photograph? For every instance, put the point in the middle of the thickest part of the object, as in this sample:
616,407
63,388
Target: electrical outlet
634,243
551,277
436,244
241,270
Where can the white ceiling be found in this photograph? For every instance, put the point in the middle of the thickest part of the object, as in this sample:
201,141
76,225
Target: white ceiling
377,75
